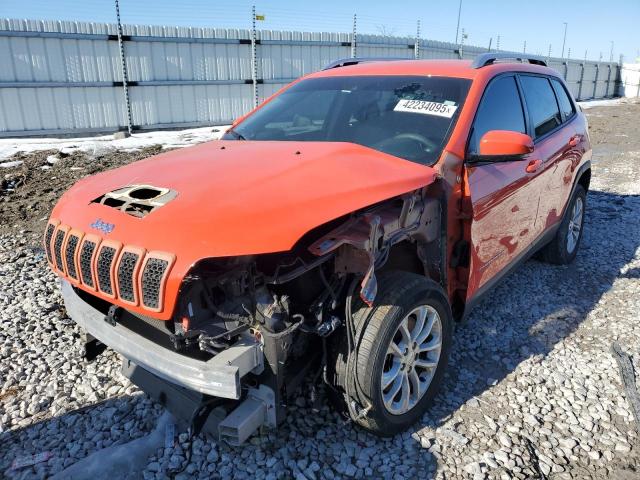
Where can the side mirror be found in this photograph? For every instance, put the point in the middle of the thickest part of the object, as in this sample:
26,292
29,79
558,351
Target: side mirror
502,144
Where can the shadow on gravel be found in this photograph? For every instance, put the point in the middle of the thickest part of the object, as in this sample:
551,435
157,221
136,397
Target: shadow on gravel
75,435
539,304
632,273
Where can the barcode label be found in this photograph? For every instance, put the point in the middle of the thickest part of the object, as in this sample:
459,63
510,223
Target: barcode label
426,108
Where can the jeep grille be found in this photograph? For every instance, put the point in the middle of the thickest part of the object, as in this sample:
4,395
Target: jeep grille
47,241
70,255
103,270
152,280
126,280
86,255
140,277
57,249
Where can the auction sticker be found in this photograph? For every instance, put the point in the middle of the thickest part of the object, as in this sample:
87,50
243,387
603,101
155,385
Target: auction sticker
426,108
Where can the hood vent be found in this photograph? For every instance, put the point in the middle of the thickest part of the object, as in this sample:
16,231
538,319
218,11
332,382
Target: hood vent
137,200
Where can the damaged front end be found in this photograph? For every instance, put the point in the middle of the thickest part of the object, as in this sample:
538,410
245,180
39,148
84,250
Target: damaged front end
247,330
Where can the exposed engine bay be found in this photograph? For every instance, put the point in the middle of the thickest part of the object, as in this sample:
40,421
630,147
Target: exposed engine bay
260,324
305,288
292,302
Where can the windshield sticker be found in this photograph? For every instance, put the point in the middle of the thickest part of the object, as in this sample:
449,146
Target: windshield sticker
426,108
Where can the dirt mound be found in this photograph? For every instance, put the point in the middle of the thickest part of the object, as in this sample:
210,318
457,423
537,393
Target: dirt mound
29,191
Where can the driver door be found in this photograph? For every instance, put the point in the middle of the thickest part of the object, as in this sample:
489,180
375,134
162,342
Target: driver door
504,194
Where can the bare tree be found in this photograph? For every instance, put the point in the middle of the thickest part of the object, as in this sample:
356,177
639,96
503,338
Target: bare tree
386,31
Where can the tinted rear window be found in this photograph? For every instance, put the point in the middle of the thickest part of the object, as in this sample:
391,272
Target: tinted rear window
500,109
566,106
542,104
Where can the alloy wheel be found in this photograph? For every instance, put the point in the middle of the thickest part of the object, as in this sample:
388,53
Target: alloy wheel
411,360
575,224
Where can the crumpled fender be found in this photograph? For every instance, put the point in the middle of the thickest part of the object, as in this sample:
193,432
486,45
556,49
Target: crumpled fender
238,198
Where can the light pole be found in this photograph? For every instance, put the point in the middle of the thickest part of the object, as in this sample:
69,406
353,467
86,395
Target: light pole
125,75
416,48
611,54
564,40
458,26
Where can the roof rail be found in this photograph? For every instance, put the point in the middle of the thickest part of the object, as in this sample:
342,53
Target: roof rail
344,62
485,59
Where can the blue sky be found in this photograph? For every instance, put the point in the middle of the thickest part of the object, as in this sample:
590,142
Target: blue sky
592,24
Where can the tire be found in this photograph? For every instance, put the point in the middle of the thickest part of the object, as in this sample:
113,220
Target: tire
562,250
360,379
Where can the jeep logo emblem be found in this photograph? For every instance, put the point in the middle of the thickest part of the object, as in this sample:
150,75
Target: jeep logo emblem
104,227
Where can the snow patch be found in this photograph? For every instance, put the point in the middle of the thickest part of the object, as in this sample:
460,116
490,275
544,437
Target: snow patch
93,145
17,163
611,102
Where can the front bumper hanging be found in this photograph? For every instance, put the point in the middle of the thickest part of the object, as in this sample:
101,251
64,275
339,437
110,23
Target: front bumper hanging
220,376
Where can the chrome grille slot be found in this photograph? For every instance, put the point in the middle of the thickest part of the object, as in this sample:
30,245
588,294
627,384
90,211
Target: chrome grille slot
125,279
88,248
47,241
152,281
70,256
57,248
103,269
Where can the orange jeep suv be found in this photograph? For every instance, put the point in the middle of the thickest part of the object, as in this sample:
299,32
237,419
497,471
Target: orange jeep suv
338,233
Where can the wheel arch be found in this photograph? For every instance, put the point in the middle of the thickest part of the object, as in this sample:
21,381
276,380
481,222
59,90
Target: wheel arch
584,177
404,256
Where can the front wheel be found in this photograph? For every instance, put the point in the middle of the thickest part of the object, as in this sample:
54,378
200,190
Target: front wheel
400,354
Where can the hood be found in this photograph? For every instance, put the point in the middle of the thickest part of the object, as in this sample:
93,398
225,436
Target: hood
235,198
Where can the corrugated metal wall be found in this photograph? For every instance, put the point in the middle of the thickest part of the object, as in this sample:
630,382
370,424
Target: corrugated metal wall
65,77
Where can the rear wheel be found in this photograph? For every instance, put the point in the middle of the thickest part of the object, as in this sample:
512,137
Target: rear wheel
564,246
400,353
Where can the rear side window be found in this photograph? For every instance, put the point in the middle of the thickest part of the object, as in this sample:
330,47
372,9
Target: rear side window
566,106
542,104
500,109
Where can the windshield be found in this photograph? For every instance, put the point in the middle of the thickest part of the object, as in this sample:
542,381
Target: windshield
408,117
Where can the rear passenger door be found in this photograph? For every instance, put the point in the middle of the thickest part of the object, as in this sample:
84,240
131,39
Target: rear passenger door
504,195
551,113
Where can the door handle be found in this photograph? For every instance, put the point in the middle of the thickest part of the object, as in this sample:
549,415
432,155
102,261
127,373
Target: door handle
574,140
533,166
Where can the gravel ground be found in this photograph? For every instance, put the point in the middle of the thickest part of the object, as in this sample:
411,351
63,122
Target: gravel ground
533,390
